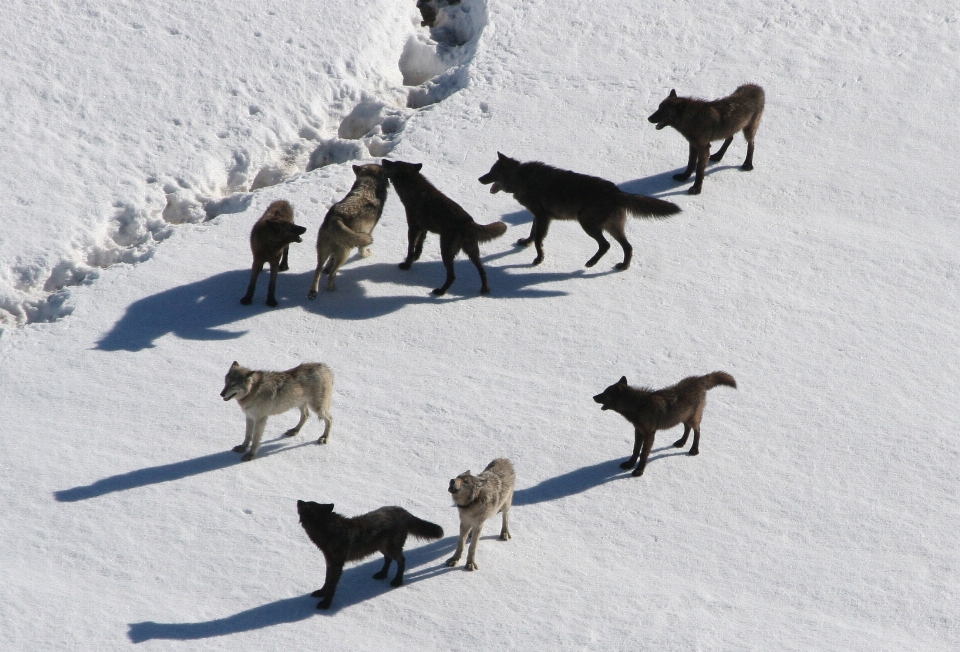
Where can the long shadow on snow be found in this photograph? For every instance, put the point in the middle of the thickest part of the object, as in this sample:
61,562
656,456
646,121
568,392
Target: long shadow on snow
355,586
663,184
168,472
569,484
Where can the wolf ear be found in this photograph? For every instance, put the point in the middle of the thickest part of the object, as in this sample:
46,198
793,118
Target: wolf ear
622,381
417,167
501,156
235,364
326,508
356,170
673,92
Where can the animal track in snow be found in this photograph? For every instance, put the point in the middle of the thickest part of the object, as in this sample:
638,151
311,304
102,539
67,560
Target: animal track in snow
434,64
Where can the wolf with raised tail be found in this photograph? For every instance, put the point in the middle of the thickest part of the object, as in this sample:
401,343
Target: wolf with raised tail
652,410
262,394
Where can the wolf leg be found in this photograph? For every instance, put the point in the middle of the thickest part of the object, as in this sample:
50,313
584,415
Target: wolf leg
615,228
595,232
257,435
703,154
723,150
448,251
505,527
304,414
695,449
464,533
472,552
382,573
401,565
680,443
414,239
691,165
327,427
749,132
472,250
247,438
329,586
251,288
271,289
284,266
748,162
315,285
542,225
336,262
647,445
637,441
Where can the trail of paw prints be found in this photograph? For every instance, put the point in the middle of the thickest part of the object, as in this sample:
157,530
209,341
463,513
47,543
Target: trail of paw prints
434,64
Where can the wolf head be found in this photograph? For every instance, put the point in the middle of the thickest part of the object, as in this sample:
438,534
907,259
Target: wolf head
371,170
668,112
276,225
286,232
399,170
611,396
311,512
465,488
237,382
501,174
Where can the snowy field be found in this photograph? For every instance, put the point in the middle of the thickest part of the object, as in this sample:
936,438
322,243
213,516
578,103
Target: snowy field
142,142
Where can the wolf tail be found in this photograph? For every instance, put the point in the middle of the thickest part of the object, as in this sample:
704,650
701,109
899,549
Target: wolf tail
720,378
643,206
487,232
351,237
425,529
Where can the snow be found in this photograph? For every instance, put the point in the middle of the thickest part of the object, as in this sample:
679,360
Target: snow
143,142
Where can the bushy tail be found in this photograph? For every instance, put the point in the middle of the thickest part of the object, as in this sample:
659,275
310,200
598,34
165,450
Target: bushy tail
643,206
425,529
720,378
487,232
351,237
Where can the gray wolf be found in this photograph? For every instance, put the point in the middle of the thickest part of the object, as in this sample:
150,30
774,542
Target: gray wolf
428,209
429,9
652,410
270,241
262,394
702,122
551,193
349,223
478,499
342,539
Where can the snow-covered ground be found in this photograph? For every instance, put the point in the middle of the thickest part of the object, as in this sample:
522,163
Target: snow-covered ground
140,145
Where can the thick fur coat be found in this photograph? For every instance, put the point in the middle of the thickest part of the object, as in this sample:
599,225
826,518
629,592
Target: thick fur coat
479,499
270,241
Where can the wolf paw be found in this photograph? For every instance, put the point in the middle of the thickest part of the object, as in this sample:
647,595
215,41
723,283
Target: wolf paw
680,443
284,268
746,168
681,177
622,266
247,457
485,290
438,291
637,473
397,581
471,566
694,191
291,433
324,604
538,260
504,536
379,575
272,302
524,242
239,449
319,593
694,451
404,265
628,464
246,301
453,561
365,252
322,440
311,295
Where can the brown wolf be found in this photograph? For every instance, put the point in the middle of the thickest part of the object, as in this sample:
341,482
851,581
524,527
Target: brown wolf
349,223
341,539
428,209
478,499
701,122
550,193
652,410
270,240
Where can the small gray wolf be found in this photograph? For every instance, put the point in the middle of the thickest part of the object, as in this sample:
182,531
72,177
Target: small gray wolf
479,498
349,223
551,193
262,394
652,410
270,241
702,122
342,539
428,209
430,8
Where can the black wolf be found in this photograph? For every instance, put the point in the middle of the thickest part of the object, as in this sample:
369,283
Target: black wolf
342,539
270,241
702,122
550,193
428,209
652,410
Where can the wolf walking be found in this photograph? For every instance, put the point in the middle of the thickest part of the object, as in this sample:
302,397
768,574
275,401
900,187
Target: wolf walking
342,539
428,209
551,193
478,499
349,223
702,122
262,394
270,241
652,410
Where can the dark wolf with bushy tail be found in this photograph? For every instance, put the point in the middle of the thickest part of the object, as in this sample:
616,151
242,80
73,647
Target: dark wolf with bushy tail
349,223
270,241
551,193
342,539
702,122
428,209
652,410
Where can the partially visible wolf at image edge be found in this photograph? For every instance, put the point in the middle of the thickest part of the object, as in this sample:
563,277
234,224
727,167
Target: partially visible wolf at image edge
551,193
702,122
349,223
262,394
429,210
342,539
652,410
270,241
479,498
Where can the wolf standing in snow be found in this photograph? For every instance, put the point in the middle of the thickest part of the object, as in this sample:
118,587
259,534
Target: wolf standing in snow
702,122
341,539
270,241
349,223
652,410
478,499
551,193
428,209
262,394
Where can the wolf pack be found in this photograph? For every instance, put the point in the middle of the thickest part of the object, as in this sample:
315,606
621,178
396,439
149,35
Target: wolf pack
548,193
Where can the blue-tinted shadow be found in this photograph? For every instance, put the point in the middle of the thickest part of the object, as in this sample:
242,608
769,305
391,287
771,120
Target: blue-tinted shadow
569,484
